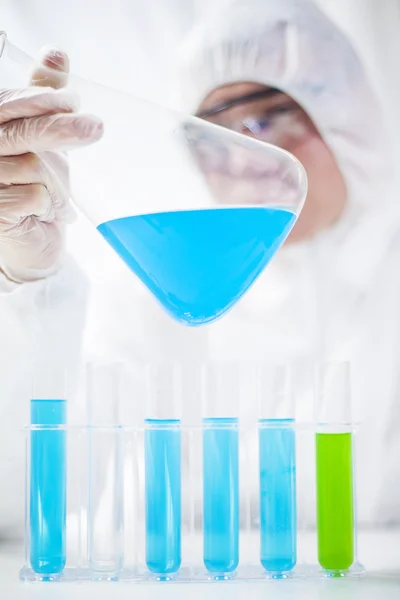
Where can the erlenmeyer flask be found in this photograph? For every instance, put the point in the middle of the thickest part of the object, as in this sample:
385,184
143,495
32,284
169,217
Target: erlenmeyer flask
196,211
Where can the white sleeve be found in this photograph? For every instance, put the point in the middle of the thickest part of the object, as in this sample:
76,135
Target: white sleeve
39,320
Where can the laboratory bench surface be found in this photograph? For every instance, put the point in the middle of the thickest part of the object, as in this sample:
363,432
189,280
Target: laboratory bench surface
379,552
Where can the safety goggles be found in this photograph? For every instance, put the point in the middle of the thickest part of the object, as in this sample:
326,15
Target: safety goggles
283,123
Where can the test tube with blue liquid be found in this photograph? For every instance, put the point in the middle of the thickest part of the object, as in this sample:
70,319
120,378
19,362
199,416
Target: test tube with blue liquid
48,466
163,470
105,441
221,391
277,455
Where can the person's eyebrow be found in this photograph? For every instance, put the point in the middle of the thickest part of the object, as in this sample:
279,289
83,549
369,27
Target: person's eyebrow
260,94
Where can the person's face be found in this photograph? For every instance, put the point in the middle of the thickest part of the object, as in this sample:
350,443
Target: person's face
277,119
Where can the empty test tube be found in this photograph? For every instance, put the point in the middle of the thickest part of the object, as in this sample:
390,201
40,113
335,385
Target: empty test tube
334,468
47,498
221,468
163,470
277,452
105,511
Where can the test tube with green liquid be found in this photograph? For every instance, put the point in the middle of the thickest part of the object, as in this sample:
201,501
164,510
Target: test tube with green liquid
334,468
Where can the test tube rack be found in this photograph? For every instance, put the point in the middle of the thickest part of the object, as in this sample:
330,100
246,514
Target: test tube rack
220,502
232,495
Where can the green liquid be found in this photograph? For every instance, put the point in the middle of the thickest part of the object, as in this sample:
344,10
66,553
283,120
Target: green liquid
335,515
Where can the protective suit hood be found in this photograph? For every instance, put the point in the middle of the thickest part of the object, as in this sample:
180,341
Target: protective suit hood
293,46
335,296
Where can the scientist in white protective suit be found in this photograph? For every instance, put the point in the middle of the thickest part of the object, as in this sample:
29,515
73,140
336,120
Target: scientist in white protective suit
285,75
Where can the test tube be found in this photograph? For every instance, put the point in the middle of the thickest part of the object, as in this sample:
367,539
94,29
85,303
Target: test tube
334,467
277,452
221,388
105,511
163,469
48,465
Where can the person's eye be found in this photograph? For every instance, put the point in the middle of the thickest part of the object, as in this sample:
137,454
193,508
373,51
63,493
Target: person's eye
263,124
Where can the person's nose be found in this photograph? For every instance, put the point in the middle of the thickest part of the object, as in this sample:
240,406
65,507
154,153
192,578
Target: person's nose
244,164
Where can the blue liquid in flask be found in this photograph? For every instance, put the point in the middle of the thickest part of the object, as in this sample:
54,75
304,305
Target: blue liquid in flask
198,263
48,487
221,495
163,495
277,495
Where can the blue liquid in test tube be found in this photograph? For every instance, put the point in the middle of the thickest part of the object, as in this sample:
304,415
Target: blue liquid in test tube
221,494
277,495
48,487
163,495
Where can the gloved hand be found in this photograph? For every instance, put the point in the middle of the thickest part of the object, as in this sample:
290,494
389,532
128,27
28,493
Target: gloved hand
36,125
